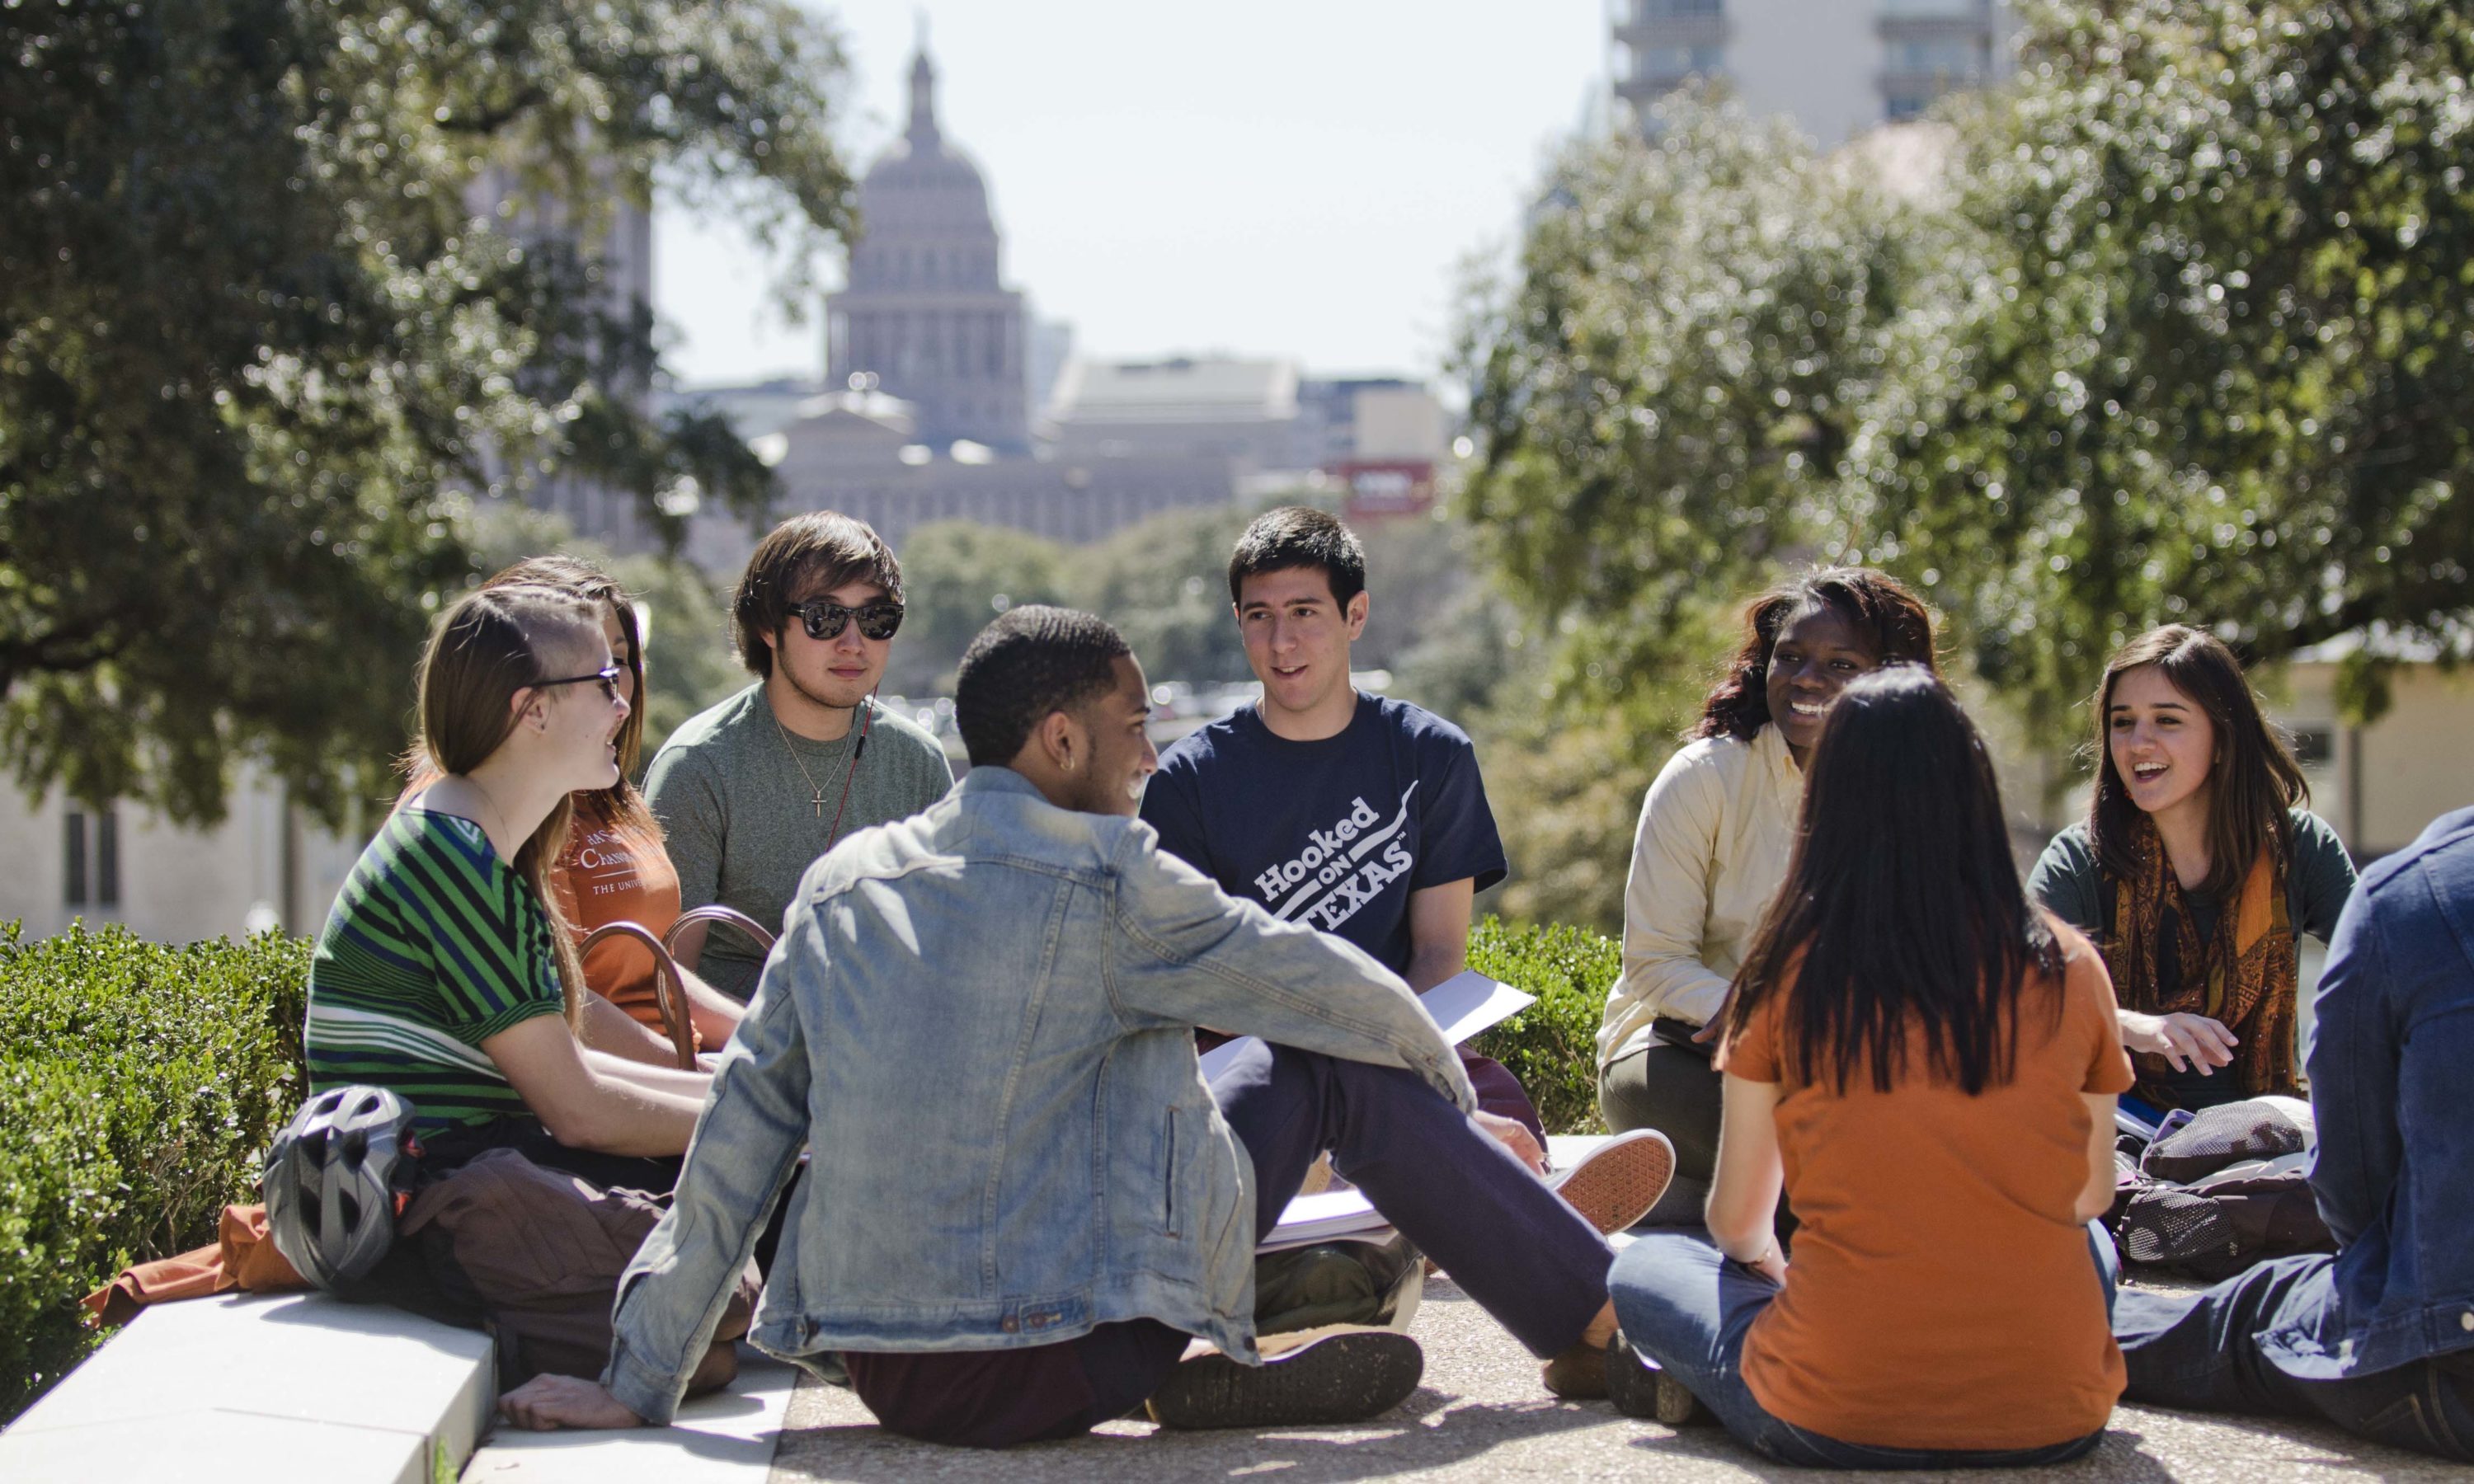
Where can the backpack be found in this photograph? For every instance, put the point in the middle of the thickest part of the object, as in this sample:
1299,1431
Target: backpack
2218,1190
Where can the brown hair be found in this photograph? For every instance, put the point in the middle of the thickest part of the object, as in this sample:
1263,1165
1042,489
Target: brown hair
2253,780
1878,605
622,802
484,649
819,549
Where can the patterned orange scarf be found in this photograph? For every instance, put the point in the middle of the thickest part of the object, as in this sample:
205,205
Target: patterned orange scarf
2246,977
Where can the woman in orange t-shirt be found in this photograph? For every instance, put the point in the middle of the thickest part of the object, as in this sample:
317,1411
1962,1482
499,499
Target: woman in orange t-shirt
615,869
1927,1065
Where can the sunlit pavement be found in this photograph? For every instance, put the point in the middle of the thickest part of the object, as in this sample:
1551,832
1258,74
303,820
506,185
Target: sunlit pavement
1482,1413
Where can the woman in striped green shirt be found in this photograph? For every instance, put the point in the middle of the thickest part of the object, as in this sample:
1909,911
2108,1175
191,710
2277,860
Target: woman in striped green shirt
443,972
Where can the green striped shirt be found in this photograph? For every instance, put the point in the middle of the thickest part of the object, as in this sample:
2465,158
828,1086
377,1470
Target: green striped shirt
434,946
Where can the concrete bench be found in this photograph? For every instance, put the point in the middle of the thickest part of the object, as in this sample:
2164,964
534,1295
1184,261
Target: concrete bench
305,1387
298,1386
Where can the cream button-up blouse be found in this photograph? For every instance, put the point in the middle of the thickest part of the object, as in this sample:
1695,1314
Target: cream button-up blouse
1716,832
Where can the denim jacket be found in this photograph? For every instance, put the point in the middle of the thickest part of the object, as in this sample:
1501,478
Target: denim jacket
980,1020
2394,1172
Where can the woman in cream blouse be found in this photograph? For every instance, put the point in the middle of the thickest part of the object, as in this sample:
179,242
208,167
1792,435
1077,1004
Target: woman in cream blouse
1715,834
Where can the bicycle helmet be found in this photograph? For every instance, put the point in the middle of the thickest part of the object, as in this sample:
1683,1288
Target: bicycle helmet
331,1184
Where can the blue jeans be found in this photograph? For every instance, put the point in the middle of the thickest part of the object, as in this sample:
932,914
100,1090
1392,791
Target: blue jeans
2201,1351
1685,1307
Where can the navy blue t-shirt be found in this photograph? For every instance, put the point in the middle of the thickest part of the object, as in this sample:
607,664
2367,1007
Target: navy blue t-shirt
1334,833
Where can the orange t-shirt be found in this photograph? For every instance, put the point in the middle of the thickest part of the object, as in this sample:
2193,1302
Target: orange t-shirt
1941,1294
615,871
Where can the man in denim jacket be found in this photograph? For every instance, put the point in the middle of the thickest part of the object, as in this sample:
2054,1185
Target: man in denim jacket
2378,1339
1023,1198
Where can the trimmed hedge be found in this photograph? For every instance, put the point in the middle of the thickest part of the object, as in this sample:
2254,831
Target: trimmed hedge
140,1084
1552,1045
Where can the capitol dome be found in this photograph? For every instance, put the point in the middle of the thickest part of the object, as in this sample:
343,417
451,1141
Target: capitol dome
925,316
924,217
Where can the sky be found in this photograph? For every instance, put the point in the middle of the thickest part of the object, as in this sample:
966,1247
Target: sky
1283,177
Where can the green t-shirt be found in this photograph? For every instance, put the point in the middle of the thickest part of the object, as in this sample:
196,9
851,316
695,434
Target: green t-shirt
434,946
2071,885
737,796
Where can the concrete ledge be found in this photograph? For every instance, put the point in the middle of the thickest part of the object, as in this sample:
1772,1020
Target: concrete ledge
298,1386
725,1438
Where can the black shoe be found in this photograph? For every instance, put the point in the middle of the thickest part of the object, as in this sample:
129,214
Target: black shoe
1342,1377
1653,1395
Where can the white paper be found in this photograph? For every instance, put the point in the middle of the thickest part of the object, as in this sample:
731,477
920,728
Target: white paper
1462,1006
1327,1216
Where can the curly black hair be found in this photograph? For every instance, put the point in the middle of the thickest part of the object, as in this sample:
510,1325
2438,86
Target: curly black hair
1878,605
1034,660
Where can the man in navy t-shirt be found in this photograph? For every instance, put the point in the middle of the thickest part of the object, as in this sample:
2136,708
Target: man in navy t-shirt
1360,816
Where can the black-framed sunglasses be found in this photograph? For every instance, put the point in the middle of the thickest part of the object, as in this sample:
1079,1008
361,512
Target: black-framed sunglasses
608,675
823,620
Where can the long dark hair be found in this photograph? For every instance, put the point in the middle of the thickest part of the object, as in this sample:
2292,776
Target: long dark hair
2253,780
1879,606
1901,908
620,804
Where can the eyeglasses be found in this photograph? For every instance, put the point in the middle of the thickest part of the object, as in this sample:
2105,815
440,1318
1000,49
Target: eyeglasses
608,675
823,620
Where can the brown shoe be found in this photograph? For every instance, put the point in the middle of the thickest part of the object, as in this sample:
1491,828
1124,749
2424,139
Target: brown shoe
1616,1184
1579,1373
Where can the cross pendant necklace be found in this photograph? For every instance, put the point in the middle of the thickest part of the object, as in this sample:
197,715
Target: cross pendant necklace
818,800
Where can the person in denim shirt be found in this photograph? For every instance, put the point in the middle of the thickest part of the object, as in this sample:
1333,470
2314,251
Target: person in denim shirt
2379,1338
1009,1234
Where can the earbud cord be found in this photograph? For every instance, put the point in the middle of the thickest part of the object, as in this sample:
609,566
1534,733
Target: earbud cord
866,718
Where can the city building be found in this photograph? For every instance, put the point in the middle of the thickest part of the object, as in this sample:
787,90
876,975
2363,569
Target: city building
944,398
1242,412
614,235
1838,67
925,316
266,866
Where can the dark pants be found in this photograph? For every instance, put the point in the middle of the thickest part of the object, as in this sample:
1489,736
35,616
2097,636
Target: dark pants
1513,1245
1686,1309
1675,1091
2201,1351
1499,1092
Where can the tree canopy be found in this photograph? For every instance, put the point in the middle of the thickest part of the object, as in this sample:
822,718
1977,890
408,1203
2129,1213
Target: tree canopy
2176,327
264,343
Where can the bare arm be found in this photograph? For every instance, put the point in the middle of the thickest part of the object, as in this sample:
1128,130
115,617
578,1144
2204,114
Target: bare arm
677,1081
1438,929
1744,1193
582,1104
716,1015
610,1029
2097,1197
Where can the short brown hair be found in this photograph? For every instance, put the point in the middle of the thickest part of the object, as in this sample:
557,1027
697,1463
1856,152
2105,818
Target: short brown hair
820,547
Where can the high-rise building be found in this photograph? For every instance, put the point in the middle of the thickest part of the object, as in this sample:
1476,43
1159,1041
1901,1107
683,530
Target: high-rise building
926,317
1838,67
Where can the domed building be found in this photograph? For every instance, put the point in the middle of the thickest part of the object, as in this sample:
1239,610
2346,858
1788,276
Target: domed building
925,314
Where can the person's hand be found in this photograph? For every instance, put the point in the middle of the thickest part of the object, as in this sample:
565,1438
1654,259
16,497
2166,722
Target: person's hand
1514,1136
547,1402
1773,1264
2186,1040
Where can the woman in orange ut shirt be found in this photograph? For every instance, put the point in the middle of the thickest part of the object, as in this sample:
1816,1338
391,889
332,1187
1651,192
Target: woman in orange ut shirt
1927,1062
615,868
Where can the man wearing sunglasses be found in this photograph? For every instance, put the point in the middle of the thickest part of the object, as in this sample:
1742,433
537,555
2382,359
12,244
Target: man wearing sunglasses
752,791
